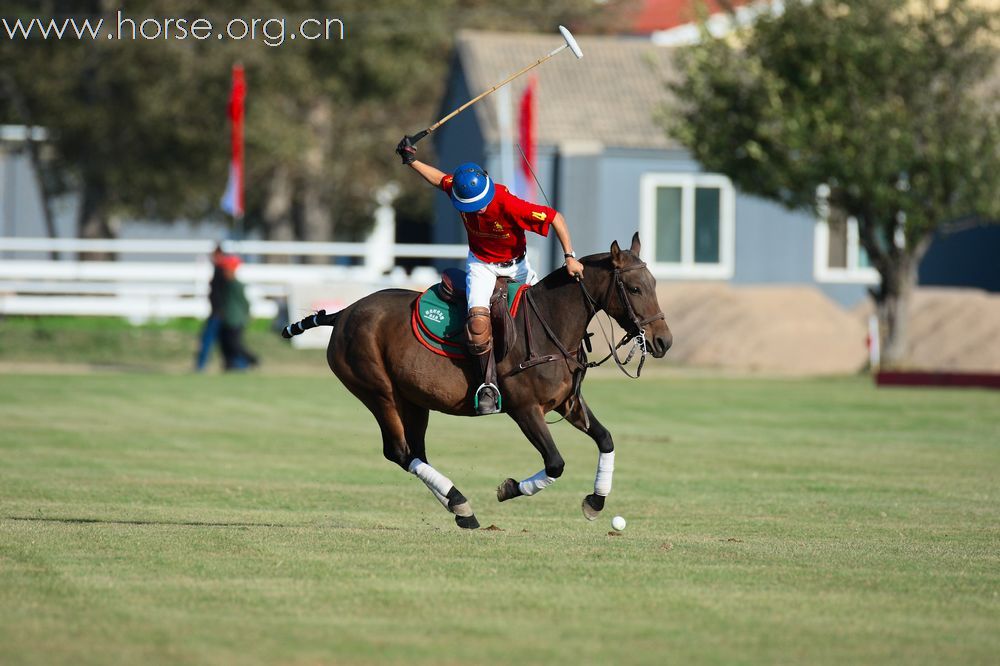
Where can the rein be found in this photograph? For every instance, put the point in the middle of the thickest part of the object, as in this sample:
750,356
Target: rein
579,359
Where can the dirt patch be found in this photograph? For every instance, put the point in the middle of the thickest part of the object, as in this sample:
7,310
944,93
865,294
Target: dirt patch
493,528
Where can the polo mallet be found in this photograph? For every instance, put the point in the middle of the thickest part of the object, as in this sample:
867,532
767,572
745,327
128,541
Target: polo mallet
570,44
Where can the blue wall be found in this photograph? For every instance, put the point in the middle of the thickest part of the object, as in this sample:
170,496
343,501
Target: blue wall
776,246
599,196
773,245
969,258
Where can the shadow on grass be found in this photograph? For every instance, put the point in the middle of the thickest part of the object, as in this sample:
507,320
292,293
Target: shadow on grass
103,521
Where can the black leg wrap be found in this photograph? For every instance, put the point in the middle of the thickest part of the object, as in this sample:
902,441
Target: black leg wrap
509,489
460,506
592,506
467,522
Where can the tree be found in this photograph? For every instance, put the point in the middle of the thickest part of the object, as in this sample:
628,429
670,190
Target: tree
889,106
126,132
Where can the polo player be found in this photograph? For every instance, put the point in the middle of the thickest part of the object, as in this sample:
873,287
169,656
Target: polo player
495,221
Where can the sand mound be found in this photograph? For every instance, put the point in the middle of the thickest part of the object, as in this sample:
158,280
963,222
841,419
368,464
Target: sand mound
798,330
951,329
767,329
780,329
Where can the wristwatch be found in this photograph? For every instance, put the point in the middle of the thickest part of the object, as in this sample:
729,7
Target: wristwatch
567,255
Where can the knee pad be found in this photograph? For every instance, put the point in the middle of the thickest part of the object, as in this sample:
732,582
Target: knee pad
479,331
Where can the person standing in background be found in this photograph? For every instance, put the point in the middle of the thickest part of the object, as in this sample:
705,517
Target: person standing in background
211,330
235,317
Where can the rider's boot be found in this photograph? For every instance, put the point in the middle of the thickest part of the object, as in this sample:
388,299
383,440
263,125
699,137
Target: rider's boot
479,338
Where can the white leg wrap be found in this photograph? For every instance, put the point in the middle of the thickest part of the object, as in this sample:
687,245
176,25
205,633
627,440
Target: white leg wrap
440,498
605,470
438,483
536,483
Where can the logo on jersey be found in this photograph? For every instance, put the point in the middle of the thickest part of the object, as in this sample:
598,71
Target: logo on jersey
539,215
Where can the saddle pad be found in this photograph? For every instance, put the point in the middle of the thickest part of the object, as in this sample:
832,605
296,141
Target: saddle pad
440,326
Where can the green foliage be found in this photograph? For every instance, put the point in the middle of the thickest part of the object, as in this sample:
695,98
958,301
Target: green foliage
125,117
109,342
889,102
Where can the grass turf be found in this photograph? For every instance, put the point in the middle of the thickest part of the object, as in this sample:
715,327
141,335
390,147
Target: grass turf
251,519
111,343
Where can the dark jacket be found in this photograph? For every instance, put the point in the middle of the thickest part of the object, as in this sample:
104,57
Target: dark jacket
236,308
217,292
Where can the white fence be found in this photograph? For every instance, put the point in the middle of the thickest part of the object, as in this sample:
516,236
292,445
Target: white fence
160,279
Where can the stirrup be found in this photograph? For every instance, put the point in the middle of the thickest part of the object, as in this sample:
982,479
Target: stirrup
496,403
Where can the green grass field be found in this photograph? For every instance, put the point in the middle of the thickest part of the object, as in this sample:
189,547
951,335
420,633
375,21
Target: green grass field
171,518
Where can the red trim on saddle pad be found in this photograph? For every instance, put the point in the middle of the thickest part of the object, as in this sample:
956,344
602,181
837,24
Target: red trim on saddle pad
517,300
417,327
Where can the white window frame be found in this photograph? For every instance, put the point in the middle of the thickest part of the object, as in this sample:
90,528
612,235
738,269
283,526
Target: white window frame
853,274
687,268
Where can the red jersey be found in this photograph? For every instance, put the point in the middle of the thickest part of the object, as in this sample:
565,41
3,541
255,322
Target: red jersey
497,234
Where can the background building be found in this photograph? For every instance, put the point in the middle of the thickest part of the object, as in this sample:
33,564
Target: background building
605,161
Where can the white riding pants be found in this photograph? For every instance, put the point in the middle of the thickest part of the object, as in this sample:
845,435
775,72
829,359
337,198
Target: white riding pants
481,276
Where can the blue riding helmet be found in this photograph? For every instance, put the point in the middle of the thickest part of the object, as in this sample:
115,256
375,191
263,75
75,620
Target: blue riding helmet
472,188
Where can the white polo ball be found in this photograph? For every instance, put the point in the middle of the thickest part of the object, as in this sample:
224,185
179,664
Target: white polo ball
618,523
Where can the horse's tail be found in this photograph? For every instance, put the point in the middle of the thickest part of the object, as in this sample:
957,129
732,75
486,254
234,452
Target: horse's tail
321,318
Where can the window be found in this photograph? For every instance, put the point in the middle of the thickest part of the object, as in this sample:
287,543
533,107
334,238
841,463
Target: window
838,255
686,224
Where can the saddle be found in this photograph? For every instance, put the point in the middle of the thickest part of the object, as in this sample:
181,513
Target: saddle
438,319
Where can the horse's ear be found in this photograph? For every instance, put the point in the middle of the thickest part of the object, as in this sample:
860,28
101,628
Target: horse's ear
616,255
636,246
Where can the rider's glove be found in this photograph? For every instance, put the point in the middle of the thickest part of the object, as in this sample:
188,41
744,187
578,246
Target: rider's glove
406,150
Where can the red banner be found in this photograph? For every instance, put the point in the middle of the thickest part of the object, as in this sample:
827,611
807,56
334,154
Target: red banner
232,200
526,136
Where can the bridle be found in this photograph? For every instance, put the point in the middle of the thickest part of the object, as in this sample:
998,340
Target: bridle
637,333
619,283
579,359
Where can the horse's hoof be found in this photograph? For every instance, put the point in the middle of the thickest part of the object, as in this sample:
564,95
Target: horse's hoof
467,522
509,489
592,506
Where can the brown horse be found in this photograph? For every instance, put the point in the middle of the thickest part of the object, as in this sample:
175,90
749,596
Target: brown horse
375,354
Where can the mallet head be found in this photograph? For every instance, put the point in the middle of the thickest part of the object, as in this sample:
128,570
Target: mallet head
571,42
